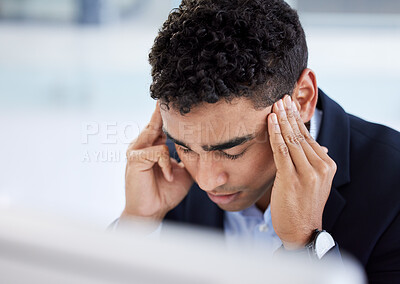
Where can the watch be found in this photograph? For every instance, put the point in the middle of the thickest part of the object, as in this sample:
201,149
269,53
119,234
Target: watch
320,243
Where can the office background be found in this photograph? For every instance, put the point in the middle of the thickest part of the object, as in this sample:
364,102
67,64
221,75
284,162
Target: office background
74,89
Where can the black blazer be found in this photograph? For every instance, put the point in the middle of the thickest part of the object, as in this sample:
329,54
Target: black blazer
362,211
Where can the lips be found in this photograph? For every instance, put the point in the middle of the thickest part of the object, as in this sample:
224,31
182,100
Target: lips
222,199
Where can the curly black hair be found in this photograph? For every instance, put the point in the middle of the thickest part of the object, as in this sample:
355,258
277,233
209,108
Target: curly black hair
213,49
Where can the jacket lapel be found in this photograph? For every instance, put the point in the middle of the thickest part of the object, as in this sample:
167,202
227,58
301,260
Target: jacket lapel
333,208
202,211
335,135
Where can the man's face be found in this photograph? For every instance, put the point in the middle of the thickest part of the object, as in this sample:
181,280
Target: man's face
225,147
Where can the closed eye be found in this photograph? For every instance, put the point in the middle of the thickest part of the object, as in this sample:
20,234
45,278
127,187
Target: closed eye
225,155
185,150
233,157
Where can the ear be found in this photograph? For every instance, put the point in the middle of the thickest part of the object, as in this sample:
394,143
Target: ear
305,94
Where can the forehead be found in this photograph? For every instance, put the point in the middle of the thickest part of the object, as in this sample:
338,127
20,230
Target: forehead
215,123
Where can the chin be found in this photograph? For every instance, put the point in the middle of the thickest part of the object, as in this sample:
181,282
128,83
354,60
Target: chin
235,206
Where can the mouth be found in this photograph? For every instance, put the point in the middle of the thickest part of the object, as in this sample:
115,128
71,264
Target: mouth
223,199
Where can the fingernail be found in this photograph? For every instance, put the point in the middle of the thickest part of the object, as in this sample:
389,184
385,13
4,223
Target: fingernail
280,105
288,103
275,122
274,119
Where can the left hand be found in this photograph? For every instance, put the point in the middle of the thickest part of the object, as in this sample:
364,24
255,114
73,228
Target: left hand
303,179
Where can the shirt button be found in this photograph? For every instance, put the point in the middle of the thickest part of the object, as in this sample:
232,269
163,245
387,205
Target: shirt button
263,228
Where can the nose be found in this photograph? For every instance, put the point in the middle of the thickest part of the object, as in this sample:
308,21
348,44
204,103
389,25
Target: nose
210,173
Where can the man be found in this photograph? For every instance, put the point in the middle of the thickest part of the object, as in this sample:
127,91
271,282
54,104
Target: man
237,99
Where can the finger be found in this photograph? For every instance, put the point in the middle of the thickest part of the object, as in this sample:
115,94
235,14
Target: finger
152,132
297,154
161,140
145,159
318,149
295,120
279,149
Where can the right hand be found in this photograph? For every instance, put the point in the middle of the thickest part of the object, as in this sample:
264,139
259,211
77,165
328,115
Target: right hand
154,182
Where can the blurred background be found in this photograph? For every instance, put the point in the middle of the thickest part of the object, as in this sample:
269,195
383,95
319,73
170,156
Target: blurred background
74,89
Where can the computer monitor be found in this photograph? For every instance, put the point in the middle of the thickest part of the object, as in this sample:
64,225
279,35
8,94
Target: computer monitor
42,249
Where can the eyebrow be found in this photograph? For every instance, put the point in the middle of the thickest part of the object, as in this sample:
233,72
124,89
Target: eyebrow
217,147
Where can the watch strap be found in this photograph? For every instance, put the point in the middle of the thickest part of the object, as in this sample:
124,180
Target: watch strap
321,242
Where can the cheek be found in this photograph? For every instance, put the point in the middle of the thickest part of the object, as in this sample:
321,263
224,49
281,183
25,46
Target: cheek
189,161
265,165
255,165
261,160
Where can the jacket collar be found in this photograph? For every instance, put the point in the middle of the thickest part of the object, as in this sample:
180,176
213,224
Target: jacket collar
335,135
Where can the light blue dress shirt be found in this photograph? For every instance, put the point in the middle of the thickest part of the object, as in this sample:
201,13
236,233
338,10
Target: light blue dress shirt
253,228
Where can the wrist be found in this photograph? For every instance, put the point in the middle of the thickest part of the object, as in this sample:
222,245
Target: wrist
299,241
141,224
156,217
319,244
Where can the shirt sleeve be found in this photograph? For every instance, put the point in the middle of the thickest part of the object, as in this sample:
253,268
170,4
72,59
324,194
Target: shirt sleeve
116,225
